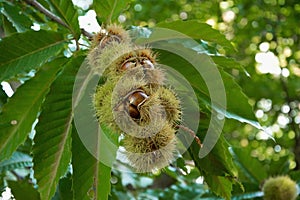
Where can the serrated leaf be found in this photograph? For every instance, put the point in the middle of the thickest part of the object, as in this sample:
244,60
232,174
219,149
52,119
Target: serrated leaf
22,109
16,17
218,162
102,181
83,169
237,101
68,13
3,98
22,52
109,10
295,175
228,63
248,166
198,30
23,190
86,166
237,106
103,170
17,160
221,186
64,189
217,167
90,167
100,144
91,178
7,27
52,149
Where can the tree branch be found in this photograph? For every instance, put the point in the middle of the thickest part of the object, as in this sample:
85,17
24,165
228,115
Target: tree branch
48,13
87,34
53,17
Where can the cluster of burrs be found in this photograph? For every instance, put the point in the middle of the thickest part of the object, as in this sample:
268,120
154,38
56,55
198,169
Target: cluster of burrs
133,99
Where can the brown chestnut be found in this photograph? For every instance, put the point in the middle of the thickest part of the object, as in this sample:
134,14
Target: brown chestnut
128,65
135,100
133,112
147,64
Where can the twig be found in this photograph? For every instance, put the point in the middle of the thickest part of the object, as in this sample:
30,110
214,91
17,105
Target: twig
53,17
192,133
87,34
49,14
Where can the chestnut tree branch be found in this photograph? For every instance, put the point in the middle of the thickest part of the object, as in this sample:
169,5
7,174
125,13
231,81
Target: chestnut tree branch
48,13
53,17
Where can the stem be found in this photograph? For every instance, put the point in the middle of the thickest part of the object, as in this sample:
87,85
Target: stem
55,18
87,34
43,10
192,133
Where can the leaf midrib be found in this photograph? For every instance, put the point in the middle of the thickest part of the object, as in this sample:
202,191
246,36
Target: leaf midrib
32,52
24,116
71,28
112,11
61,149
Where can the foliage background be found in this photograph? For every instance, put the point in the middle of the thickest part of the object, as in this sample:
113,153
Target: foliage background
264,65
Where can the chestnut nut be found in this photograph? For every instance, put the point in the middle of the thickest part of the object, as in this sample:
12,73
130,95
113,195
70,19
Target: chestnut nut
147,64
135,100
129,64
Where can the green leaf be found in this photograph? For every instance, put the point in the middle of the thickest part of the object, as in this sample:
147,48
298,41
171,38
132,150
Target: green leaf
52,149
23,190
22,52
64,189
102,144
237,101
221,186
17,160
26,147
249,166
278,167
237,106
217,167
295,175
68,13
218,162
102,181
109,10
22,109
90,176
3,98
7,27
83,169
2,184
198,30
228,63
14,14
